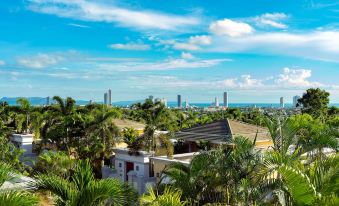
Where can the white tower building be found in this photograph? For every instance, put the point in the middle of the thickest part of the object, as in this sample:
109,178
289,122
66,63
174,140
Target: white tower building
164,101
282,104
186,104
225,99
216,102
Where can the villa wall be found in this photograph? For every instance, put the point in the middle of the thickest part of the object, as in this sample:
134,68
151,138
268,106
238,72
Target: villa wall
139,174
160,163
264,144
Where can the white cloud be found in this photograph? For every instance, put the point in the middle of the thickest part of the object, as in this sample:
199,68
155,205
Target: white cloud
230,83
41,60
71,75
185,46
246,81
97,12
230,28
130,46
321,45
78,25
192,44
165,82
289,79
165,65
2,62
109,70
272,20
200,40
14,76
296,78
186,55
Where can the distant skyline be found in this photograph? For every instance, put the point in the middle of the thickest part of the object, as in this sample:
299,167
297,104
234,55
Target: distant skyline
257,51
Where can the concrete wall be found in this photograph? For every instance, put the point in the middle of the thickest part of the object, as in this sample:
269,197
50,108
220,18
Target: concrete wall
24,141
160,163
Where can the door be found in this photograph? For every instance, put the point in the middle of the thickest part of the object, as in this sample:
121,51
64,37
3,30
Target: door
129,167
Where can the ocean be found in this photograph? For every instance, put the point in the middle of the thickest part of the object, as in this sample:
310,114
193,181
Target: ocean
41,101
230,105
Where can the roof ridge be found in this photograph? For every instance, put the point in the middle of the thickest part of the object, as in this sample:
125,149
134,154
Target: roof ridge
248,124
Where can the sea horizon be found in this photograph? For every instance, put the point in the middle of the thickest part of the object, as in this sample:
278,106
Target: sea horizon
36,101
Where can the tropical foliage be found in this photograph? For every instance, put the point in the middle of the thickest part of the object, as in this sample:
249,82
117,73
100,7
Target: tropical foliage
170,197
298,170
301,168
83,189
13,197
57,163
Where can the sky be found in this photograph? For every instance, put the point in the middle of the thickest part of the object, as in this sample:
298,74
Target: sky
257,50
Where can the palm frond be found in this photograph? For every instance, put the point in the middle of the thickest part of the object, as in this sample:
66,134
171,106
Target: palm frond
17,198
83,174
102,190
5,172
170,197
64,190
299,185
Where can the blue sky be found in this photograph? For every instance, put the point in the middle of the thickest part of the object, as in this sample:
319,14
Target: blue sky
257,50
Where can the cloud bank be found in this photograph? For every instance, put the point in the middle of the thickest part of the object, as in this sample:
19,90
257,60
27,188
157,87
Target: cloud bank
96,12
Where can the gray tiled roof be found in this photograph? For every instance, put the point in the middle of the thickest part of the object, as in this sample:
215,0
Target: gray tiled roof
218,131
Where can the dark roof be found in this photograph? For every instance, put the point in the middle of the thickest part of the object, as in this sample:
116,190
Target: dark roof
223,131
215,132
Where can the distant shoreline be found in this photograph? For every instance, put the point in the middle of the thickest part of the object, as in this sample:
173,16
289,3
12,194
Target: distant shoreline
36,101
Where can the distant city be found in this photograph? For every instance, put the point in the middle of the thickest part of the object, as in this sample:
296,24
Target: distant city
213,105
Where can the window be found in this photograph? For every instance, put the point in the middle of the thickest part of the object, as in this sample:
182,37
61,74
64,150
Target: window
137,168
120,165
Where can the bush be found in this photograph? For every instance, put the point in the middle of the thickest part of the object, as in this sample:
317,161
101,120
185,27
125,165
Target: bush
58,163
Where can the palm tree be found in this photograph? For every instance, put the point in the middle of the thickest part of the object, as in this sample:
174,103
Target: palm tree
187,178
58,163
221,175
65,107
23,119
133,140
84,190
169,197
58,122
9,153
285,172
13,197
317,185
101,135
152,114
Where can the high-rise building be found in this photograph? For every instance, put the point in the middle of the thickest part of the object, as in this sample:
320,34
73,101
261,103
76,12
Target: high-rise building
186,104
179,101
109,97
295,100
164,101
225,99
216,102
150,97
105,98
47,100
282,104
